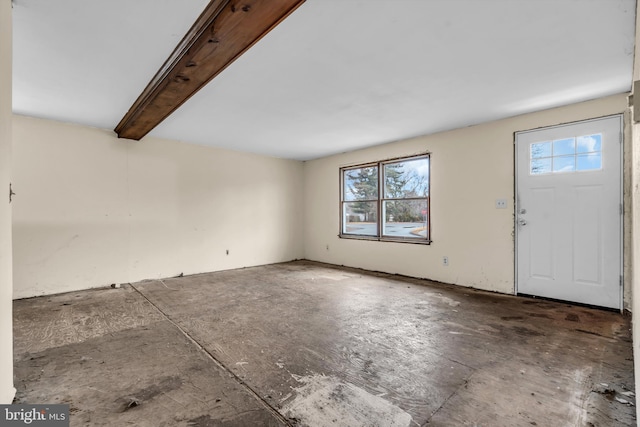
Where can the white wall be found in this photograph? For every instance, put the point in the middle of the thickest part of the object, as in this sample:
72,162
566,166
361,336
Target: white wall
92,209
470,168
635,227
6,330
635,306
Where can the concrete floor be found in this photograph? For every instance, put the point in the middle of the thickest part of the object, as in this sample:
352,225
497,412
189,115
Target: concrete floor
304,343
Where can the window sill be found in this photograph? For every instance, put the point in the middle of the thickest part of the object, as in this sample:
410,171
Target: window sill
386,239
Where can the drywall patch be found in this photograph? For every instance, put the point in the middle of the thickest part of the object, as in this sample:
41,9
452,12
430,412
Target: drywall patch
325,400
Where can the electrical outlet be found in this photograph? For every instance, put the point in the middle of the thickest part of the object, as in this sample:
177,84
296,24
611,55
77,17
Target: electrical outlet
445,261
501,203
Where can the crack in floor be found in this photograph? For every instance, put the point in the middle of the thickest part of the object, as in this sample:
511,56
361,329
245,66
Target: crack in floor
239,380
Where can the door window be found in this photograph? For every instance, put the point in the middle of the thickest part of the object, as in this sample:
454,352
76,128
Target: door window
580,153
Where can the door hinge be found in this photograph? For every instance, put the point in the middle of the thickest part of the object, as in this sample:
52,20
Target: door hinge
621,281
620,137
11,193
621,209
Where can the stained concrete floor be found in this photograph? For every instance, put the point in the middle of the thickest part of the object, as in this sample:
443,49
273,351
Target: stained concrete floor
307,344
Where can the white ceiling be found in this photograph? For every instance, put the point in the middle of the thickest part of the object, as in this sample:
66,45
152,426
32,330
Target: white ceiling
335,76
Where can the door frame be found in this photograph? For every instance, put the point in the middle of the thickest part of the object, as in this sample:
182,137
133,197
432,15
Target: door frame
516,204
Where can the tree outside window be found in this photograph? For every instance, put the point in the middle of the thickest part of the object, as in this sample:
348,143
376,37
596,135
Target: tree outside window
395,191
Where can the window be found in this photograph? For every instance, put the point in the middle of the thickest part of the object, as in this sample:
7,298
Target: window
387,200
582,153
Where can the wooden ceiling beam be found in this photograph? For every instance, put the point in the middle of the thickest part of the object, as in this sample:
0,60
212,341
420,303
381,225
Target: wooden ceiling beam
224,31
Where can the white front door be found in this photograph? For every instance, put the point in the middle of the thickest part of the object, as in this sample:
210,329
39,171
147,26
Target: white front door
569,212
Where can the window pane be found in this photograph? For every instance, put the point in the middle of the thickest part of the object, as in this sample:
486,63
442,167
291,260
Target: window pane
406,179
563,147
360,218
360,183
539,166
564,164
405,218
540,149
589,161
589,143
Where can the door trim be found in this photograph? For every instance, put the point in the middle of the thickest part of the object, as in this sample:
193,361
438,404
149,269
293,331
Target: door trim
516,204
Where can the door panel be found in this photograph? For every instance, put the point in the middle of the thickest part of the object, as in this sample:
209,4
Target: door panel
568,212
587,235
542,241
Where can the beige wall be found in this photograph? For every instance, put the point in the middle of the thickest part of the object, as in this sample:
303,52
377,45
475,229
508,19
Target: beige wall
92,209
470,168
6,337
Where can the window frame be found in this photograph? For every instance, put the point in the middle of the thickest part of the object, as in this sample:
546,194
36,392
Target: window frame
381,199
